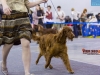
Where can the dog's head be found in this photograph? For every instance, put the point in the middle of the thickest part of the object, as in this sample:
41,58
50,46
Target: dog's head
40,27
67,31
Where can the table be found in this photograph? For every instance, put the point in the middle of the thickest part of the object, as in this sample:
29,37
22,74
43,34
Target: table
91,30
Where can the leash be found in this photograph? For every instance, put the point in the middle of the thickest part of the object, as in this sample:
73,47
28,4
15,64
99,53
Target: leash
53,6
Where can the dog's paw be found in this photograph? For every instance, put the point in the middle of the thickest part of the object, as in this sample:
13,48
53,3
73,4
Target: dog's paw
71,72
46,66
50,67
36,62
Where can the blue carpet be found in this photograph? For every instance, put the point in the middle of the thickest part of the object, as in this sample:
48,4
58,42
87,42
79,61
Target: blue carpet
15,66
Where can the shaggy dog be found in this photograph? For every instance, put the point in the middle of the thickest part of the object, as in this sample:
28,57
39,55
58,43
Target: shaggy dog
54,45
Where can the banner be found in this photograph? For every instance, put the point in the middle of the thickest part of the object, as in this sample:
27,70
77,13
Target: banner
95,2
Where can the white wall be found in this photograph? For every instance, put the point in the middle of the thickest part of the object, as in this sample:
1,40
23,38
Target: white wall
79,5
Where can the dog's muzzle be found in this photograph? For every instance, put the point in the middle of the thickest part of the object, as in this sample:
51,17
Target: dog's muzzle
72,36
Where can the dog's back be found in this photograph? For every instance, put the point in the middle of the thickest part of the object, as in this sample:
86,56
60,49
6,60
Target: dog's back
49,31
44,31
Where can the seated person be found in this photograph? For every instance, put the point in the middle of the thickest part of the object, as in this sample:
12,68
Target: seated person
92,19
67,19
98,17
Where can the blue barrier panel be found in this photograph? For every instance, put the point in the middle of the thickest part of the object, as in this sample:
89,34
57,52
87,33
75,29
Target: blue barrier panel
88,28
74,23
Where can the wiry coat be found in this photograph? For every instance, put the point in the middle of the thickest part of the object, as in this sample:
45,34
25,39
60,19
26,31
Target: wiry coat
54,45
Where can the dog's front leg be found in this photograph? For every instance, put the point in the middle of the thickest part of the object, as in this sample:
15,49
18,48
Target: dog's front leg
64,57
39,56
48,60
50,66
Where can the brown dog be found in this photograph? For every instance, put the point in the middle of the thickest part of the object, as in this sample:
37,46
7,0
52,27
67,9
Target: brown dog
54,45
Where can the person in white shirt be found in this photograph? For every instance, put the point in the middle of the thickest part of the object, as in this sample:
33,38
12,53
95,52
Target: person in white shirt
75,17
60,16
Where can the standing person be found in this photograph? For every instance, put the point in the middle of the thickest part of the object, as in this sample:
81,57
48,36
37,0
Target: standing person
1,11
75,17
31,18
98,17
38,16
35,19
60,16
15,26
84,15
49,17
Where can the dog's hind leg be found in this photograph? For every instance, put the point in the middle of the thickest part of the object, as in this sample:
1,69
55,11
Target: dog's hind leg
50,66
48,60
39,56
64,57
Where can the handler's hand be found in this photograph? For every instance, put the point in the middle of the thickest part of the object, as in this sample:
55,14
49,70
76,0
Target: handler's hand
6,9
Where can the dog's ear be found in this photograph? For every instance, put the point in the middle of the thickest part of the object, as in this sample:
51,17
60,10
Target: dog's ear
35,38
61,34
64,31
40,28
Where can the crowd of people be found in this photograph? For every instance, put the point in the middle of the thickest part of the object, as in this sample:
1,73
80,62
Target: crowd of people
40,16
47,18
83,17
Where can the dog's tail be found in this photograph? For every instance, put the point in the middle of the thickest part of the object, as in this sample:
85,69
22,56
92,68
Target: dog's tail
35,38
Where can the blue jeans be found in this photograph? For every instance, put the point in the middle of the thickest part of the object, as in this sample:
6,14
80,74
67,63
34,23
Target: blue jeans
75,28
